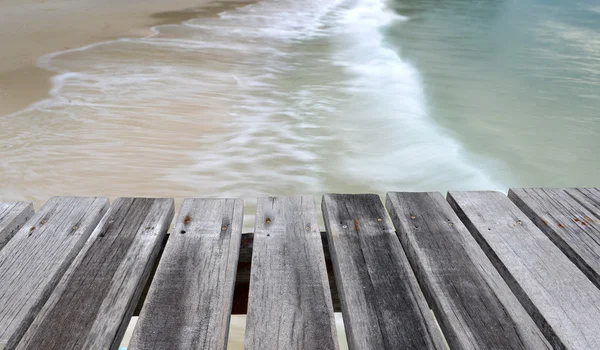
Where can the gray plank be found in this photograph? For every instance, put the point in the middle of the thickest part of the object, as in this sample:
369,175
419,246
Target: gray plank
189,302
569,219
13,216
559,297
474,306
33,261
382,304
289,304
589,198
93,302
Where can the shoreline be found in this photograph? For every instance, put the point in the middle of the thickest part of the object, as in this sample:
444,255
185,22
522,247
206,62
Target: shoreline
33,28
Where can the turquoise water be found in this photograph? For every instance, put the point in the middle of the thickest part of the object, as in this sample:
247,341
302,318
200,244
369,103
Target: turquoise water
517,82
304,97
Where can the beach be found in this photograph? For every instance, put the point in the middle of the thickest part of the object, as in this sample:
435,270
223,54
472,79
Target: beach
32,28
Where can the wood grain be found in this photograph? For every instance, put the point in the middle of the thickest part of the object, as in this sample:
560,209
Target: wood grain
93,302
473,304
242,280
587,197
34,260
560,298
563,216
189,302
13,216
382,304
290,301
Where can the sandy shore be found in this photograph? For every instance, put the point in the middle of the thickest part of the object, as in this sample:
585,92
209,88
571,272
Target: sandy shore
32,28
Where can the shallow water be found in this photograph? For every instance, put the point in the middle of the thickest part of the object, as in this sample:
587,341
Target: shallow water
515,82
306,97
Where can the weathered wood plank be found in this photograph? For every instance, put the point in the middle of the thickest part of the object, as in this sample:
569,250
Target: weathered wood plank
189,302
588,197
382,304
473,304
290,302
558,296
242,280
13,216
33,261
93,302
563,217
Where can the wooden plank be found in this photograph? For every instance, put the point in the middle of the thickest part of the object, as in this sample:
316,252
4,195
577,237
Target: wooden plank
93,302
242,279
289,305
558,296
13,216
189,302
571,225
33,261
588,197
382,304
473,304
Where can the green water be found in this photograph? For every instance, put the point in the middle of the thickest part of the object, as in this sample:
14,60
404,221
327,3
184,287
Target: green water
517,83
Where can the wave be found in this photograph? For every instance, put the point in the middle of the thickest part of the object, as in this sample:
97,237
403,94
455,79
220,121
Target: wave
276,97
401,147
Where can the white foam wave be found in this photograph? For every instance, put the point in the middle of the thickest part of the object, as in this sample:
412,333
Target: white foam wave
406,149
277,97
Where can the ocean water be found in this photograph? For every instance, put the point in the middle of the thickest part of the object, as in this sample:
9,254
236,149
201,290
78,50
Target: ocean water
303,97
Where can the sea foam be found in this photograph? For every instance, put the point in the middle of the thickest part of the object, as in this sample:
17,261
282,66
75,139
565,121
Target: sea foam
276,97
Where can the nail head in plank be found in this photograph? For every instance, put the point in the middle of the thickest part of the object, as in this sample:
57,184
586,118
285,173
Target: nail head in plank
290,304
189,302
13,216
473,304
562,301
382,304
562,216
92,304
34,260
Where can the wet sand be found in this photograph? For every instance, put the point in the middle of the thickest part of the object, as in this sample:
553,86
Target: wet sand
32,28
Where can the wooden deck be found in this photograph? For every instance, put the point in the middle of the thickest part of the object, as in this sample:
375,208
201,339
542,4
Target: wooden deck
474,270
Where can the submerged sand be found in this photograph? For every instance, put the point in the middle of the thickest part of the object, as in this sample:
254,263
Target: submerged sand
32,28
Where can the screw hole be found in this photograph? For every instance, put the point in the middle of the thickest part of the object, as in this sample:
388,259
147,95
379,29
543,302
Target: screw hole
182,231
